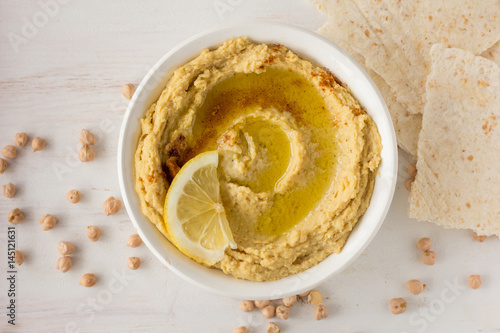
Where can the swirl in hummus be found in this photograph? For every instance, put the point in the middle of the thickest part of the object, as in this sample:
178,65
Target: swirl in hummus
298,155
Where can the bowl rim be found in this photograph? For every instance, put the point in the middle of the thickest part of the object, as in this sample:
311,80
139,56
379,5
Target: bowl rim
130,199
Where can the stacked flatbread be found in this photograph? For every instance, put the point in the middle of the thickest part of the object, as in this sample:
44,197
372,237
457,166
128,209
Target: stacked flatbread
436,62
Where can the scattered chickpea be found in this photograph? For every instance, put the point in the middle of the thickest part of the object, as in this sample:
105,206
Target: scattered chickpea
314,297
290,301
415,286
272,328
21,139
241,329
86,154
9,151
424,244
282,312
48,222
3,165
135,241
133,263
128,91
398,305
409,183
479,238
429,257
261,304
246,306
18,257
16,216
412,170
74,196
93,233
304,294
88,280
9,190
320,312
86,138
63,264
475,281
112,206
38,144
66,248
269,311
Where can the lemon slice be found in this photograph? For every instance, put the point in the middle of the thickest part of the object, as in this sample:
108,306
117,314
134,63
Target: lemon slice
194,215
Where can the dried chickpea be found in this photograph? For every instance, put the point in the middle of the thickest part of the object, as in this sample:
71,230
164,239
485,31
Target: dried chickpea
409,183
86,154
9,190
412,170
88,280
66,248
479,238
241,329
74,196
86,138
128,91
38,144
320,312
282,312
474,281
15,216
246,306
398,305
134,240
63,264
429,257
314,297
9,151
415,286
269,311
3,165
290,301
112,206
424,244
272,328
18,257
48,222
21,139
93,233
133,263
261,304
304,294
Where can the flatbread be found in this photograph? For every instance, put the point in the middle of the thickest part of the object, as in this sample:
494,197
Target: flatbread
458,182
493,53
406,125
395,36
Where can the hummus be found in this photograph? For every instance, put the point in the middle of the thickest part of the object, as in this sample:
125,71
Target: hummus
298,155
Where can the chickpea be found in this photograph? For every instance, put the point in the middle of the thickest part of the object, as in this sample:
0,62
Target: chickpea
429,258
48,222
9,151
18,257
93,233
409,183
290,301
15,216
88,280
261,304
320,312
314,297
398,305
21,139
133,263
134,240
269,311
246,306
3,165
282,312
241,329
304,294
415,286
112,206
424,244
86,154
412,170
474,281
9,190
66,248
74,196
63,264
128,91
86,138
479,238
272,328
38,144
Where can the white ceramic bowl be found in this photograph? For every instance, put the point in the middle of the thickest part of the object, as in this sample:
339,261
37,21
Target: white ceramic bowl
309,46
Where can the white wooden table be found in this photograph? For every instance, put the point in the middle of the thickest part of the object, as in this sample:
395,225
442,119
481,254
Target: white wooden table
62,66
